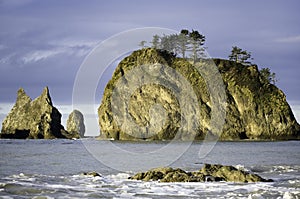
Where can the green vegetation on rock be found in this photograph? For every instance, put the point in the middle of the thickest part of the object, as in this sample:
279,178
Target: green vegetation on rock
240,56
186,43
255,110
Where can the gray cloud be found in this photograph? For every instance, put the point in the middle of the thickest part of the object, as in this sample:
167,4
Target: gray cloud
290,39
70,48
44,42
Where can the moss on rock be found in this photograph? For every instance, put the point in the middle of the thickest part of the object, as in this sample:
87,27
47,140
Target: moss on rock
255,109
209,172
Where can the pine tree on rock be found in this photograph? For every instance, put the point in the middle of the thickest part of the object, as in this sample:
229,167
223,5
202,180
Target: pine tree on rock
240,56
197,41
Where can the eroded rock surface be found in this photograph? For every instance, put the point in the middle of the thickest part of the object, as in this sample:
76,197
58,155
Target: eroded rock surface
255,109
209,172
75,123
34,119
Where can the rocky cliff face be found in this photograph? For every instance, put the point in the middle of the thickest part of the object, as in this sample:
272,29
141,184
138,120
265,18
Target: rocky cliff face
75,123
34,119
255,109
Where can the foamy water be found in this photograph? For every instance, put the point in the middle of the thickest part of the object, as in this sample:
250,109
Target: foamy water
118,186
52,169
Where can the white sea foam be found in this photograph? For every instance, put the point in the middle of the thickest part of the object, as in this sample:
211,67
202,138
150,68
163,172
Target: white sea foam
291,195
6,197
119,176
295,181
255,196
118,186
58,186
241,167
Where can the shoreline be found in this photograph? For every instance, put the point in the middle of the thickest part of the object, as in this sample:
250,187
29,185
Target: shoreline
162,141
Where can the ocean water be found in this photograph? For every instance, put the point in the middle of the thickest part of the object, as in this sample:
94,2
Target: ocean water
53,169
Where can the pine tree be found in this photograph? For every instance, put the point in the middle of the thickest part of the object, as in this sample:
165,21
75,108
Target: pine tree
183,42
240,56
197,41
169,43
268,76
155,42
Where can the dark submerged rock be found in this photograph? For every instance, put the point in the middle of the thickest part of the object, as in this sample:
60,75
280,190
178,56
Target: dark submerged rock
34,119
91,173
208,173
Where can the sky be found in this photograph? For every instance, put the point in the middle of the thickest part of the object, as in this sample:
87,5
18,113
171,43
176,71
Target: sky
43,43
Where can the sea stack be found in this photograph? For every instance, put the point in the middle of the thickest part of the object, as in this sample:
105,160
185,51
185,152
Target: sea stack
255,108
75,123
34,119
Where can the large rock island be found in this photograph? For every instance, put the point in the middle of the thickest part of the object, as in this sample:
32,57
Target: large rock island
34,119
255,108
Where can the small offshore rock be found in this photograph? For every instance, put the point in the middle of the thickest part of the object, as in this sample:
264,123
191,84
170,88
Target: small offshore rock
208,173
91,173
75,123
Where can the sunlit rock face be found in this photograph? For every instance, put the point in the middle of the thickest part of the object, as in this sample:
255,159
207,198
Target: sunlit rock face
132,108
75,123
34,119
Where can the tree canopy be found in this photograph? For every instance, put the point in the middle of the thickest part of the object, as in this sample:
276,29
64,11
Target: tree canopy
268,76
186,43
240,56
190,44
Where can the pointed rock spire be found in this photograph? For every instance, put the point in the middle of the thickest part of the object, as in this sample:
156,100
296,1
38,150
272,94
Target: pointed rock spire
21,92
22,97
35,119
46,95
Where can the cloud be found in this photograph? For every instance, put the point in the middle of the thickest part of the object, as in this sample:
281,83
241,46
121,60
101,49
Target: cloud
7,59
292,39
74,43
38,55
64,47
75,47
5,108
44,51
